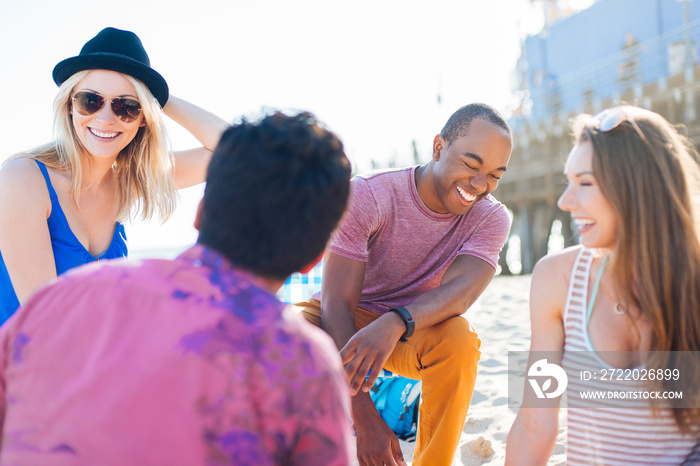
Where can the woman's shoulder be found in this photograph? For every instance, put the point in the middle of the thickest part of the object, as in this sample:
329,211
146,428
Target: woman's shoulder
23,167
559,260
22,181
20,171
549,286
554,269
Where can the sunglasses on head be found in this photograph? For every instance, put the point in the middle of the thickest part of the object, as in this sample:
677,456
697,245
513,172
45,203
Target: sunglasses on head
87,103
610,119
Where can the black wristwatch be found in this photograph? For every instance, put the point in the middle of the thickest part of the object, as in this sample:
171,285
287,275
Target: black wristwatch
407,321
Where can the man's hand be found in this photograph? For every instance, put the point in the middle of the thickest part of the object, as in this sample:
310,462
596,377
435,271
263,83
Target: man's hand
366,352
377,445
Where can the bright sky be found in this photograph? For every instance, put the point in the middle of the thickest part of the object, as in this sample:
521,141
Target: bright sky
371,70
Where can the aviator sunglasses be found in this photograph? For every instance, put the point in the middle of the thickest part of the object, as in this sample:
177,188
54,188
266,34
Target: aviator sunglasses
610,119
87,103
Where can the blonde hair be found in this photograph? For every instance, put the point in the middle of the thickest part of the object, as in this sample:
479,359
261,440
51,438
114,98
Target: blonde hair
652,181
144,168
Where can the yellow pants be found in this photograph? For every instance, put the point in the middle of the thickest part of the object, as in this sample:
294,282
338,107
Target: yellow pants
444,357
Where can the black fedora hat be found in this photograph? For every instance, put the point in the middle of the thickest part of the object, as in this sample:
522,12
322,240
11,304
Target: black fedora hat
115,50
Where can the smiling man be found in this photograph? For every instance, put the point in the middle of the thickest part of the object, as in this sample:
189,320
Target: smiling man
415,250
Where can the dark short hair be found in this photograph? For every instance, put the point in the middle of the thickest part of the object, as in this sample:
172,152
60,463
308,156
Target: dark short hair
458,124
276,189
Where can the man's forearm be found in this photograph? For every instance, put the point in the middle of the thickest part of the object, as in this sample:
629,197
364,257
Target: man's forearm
461,285
364,412
340,324
439,304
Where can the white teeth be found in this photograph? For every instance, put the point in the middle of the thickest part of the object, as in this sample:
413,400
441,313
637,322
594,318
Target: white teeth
103,134
583,222
465,195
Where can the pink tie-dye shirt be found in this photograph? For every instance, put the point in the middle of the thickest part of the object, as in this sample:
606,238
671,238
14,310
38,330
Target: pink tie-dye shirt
184,362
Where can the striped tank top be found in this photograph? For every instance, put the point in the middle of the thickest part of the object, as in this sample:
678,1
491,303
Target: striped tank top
615,432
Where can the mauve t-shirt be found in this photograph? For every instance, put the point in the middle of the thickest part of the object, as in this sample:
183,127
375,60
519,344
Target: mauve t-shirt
408,247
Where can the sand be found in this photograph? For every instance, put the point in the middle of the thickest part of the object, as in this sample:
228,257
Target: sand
501,317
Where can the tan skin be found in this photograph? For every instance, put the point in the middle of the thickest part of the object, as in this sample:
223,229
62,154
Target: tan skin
24,198
474,163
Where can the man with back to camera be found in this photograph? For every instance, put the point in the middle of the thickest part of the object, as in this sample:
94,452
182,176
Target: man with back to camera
416,248
193,361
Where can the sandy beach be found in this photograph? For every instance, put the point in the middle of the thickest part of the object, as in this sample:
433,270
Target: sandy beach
501,317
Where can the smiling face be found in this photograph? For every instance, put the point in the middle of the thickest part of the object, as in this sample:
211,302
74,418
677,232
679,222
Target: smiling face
103,134
465,170
592,213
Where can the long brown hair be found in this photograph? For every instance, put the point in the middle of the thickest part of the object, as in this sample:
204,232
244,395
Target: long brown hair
652,181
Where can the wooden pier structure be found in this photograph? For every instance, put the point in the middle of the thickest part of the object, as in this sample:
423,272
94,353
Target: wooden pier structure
534,180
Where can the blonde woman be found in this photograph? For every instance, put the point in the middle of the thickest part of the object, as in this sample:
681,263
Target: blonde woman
61,205
628,297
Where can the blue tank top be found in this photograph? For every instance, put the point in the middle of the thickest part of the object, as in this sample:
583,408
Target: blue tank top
68,252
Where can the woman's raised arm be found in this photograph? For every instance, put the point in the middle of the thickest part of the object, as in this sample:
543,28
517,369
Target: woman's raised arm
191,165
